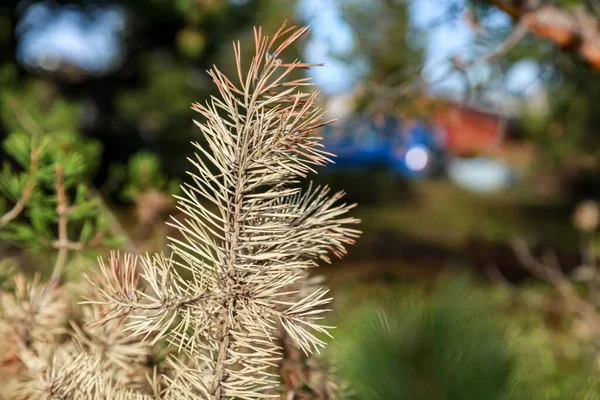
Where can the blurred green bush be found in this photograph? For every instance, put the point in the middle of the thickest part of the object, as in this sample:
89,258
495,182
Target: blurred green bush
461,341
445,347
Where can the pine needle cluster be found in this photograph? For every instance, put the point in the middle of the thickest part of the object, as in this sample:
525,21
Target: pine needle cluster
234,282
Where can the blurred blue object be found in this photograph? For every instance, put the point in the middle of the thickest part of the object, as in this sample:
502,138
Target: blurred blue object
483,175
417,155
411,152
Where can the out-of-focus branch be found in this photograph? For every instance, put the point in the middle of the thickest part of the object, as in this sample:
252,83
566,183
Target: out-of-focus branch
574,29
582,304
514,37
29,124
529,299
571,29
62,208
27,192
384,93
549,270
63,244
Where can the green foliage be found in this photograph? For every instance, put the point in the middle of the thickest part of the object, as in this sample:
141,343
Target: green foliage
447,347
144,174
572,3
547,359
36,111
36,107
36,230
551,361
159,106
145,95
191,42
42,139
562,131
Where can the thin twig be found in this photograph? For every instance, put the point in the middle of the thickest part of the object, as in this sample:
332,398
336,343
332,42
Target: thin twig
63,244
62,209
387,94
549,271
529,299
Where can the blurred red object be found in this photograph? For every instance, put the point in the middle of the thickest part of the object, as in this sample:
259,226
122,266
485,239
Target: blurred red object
468,131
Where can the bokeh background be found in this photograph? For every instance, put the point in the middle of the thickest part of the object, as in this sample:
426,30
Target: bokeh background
466,131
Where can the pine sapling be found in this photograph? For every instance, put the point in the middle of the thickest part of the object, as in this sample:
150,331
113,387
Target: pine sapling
247,237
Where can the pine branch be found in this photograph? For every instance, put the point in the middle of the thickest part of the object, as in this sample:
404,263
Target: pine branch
32,319
68,375
247,237
47,363
573,29
62,209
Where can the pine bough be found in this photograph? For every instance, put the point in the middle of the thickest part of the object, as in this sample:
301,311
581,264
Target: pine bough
248,237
